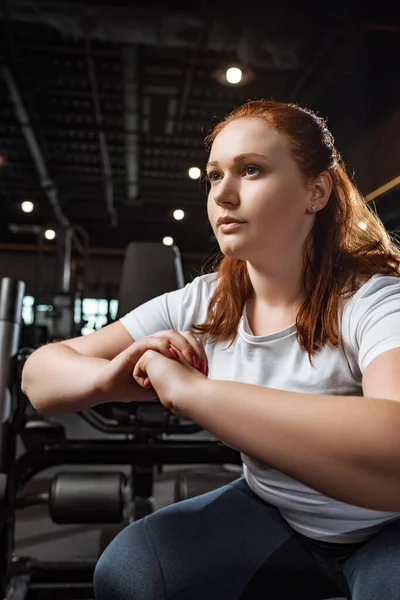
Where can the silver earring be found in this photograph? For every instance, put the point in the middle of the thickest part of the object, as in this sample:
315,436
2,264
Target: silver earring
314,208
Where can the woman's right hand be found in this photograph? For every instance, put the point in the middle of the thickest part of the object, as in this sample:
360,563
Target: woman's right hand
115,381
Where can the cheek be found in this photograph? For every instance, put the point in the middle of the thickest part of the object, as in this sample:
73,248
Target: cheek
210,210
281,199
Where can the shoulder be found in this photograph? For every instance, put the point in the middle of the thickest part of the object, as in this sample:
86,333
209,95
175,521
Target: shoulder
177,309
190,304
371,318
200,288
373,294
203,282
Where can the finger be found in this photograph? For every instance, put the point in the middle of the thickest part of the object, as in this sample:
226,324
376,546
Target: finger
136,350
200,351
180,343
139,374
146,384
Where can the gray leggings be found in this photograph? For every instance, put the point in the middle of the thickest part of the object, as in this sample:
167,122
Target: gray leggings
230,545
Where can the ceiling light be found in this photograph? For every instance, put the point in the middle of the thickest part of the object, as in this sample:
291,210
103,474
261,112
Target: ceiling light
27,206
179,214
234,75
194,172
49,234
168,241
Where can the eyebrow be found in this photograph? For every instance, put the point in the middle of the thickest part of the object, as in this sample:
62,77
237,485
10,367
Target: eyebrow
238,158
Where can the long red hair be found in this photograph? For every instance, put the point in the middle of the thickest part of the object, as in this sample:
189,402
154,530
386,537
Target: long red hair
338,253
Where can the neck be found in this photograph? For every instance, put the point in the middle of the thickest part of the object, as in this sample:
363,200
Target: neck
277,286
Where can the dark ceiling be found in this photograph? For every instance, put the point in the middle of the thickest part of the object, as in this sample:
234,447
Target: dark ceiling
104,106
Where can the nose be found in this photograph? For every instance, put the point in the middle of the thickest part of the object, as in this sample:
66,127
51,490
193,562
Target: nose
226,192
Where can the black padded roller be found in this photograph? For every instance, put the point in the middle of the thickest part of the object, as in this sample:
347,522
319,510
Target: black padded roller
89,497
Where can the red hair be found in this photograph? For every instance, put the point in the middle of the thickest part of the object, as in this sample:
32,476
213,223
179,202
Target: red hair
337,245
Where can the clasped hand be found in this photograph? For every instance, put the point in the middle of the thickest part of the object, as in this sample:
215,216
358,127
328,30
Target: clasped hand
172,374
169,362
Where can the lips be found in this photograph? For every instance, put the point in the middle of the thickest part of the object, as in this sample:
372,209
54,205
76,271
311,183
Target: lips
227,220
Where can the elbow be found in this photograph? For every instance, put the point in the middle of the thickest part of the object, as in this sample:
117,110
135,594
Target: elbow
28,390
26,382
36,401
28,386
26,379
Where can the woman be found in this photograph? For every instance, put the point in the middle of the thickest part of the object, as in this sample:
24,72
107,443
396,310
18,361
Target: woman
302,342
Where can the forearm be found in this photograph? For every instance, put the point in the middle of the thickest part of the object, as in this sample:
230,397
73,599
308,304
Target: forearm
58,380
346,447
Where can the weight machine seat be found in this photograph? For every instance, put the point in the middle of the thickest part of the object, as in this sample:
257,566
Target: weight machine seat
150,269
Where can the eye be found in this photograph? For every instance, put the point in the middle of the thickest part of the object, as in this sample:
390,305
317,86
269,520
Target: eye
213,176
251,170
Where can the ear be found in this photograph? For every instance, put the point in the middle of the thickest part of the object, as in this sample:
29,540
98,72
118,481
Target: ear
321,189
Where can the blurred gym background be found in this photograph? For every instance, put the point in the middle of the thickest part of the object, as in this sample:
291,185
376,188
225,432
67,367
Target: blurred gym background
103,110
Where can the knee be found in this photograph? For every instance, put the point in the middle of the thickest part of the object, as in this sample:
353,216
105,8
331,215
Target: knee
128,569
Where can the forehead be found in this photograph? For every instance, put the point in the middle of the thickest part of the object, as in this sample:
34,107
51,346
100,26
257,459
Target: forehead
245,136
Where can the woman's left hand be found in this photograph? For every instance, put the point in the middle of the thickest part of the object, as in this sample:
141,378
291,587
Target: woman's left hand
173,379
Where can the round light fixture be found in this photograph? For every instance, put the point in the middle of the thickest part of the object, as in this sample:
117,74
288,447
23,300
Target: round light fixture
168,241
49,234
233,75
194,172
179,214
27,206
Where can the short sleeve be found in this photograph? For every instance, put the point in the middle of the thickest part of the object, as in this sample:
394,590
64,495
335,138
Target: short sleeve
374,318
174,310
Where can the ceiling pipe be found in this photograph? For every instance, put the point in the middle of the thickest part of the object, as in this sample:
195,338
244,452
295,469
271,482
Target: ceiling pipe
130,60
47,184
200,44
105,156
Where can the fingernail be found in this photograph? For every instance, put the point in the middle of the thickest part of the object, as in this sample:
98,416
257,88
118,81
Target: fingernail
203,367
173,352
195,362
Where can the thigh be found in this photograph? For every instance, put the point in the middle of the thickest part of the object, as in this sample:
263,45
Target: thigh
226,544
374,570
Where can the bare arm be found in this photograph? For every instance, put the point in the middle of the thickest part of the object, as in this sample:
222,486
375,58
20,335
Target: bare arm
347,447
60,377
69,376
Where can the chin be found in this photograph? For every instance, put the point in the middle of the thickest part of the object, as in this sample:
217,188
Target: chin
233,251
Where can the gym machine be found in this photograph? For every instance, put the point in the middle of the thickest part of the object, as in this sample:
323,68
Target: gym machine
78,497
55,310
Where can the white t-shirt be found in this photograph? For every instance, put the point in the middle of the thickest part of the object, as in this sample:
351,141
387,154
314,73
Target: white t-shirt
369,325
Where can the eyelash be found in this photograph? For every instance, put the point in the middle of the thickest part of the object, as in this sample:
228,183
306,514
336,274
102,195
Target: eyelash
210,175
